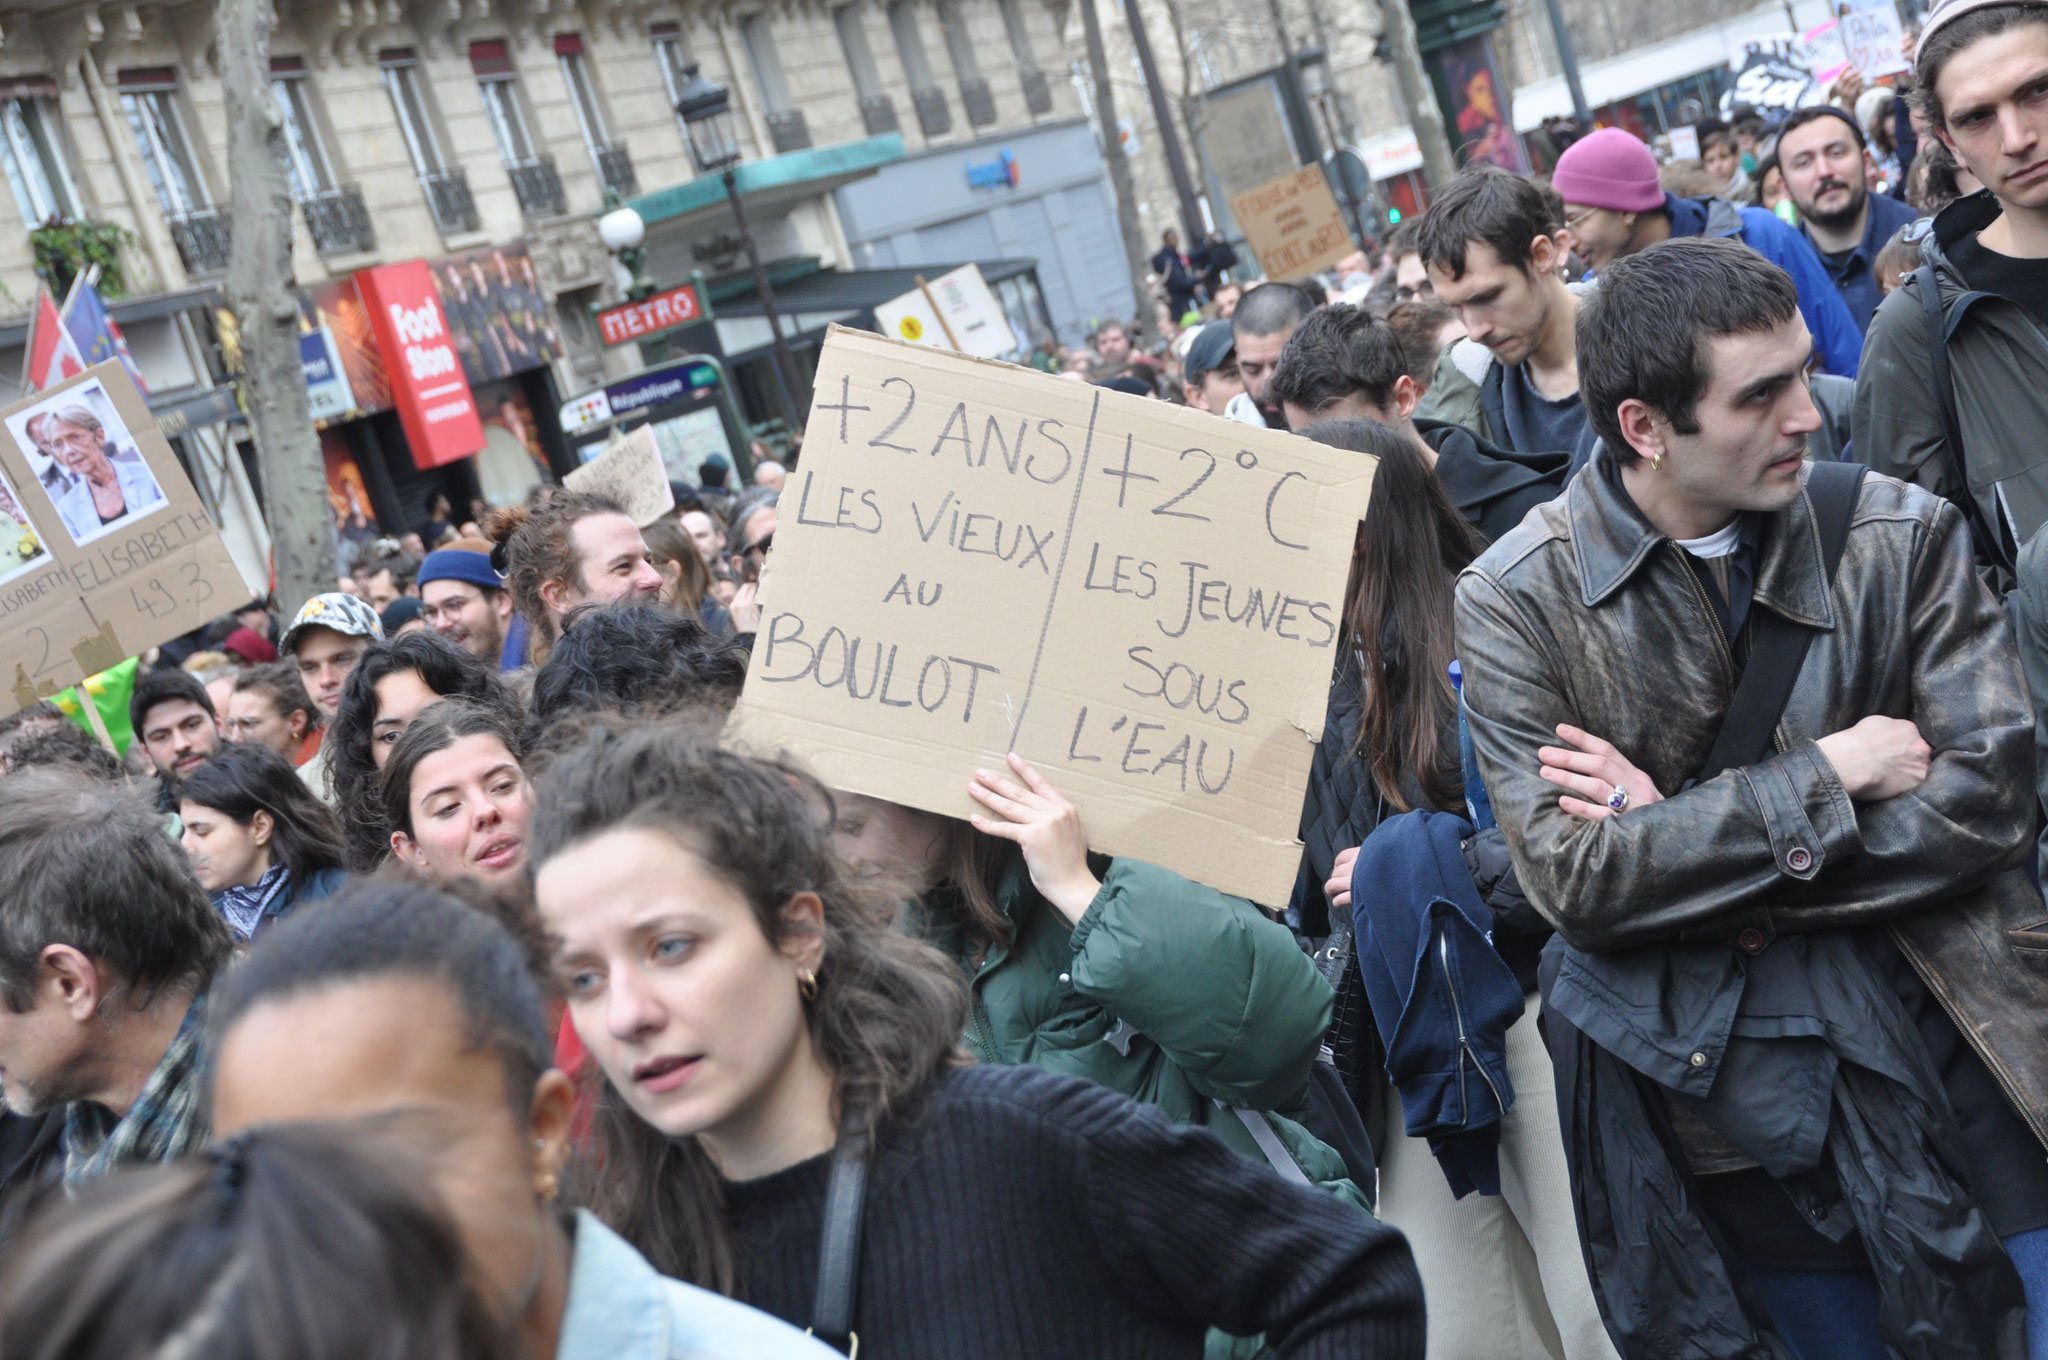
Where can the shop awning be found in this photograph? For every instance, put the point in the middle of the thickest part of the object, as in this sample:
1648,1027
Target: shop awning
773,180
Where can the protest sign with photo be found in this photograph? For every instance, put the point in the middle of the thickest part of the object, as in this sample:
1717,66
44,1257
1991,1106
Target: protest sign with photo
1293,224
111,550
1142,599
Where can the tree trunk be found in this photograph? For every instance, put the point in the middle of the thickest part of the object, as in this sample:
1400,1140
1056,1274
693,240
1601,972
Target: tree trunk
262,291
1424,114
1119,166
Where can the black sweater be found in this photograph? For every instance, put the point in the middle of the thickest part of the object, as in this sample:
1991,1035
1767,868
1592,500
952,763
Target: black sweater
1040,1216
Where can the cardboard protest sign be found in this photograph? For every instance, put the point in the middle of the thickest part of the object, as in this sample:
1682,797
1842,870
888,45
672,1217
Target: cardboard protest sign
1293,224
1873,38
1142,599
631,472
956,310
105,549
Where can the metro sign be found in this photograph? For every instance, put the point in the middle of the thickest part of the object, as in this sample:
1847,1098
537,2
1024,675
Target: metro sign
649,317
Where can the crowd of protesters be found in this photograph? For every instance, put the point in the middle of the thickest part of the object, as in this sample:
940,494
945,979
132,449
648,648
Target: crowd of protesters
1663,976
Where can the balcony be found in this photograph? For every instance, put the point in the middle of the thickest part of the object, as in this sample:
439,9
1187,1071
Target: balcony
538,186
202,238
615,167
878,114
1037,94
338,221
932,114
787,129
449,199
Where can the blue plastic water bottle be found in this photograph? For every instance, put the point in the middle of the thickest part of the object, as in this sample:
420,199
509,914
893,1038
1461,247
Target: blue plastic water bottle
1478,804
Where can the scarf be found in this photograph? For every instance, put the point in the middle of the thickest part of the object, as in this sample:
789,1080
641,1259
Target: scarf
165,1122
245,907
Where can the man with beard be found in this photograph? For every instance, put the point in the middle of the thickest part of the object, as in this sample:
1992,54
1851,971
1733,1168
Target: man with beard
465,601
1494,249
180,729
105,963
1822,155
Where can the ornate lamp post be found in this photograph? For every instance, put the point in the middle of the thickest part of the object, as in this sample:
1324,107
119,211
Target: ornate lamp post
706,110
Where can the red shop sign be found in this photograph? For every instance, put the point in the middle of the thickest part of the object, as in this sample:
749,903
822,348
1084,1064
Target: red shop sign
427,382
649,316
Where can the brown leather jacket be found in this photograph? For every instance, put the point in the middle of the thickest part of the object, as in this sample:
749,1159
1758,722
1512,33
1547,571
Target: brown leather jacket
1584,614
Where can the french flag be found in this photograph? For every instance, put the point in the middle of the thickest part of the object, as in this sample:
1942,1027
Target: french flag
53,354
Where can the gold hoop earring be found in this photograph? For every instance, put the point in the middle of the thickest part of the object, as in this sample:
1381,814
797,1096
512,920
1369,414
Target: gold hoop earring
807,985
548,1187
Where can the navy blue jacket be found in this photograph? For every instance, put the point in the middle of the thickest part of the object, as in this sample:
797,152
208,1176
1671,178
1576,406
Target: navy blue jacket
1836,337
1440,995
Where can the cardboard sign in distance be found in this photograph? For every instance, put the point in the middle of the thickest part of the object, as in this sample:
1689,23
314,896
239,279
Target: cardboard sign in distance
1293,224
956,310
631,472
86,582
1142,599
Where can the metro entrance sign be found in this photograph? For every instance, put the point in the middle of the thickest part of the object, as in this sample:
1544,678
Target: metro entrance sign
649,317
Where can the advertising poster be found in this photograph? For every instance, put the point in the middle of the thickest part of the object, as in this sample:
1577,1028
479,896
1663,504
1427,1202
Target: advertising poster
1481,123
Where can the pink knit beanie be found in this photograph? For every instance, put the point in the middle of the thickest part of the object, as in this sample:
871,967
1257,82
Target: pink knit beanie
1608,169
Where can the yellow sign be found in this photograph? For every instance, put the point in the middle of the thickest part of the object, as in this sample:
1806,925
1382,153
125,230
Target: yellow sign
912,328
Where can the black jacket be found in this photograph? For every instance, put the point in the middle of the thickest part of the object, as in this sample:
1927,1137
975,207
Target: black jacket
1492,487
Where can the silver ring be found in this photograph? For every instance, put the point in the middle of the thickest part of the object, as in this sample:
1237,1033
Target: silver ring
1618,800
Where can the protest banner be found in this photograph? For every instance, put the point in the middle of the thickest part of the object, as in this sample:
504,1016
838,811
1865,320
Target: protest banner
105,548
956,310
1873,38
631,472
1293,224
1142,599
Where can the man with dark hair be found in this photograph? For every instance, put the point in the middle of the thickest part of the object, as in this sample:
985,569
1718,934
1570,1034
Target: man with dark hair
66,746
270,707
1177,275
26,722
1411,279
1495,249
1614,206
1265,317
1345,363
391,575
1827,169
1800,1051
107,949
1972,433
173,716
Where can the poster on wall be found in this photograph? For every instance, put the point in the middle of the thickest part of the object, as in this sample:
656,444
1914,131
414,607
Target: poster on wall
512,462
1481,121
497,314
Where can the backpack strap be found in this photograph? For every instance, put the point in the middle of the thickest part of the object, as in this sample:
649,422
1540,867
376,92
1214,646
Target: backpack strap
839,1247
1990,545
1778,645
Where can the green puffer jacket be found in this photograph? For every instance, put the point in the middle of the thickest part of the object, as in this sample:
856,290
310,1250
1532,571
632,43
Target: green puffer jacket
1215,1001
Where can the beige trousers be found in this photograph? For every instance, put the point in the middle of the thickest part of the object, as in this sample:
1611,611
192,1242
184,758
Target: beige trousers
1502,1275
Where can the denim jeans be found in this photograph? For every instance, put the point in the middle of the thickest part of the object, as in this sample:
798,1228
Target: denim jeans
1832,1314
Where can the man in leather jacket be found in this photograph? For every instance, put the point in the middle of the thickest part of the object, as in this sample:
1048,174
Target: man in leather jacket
1798,1009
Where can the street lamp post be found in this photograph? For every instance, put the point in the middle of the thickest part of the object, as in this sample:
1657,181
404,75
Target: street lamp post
622,230
706,110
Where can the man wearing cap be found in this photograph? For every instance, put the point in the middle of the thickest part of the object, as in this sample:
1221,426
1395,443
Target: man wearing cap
1613,206
1826,165
325,641
465,601
1209,369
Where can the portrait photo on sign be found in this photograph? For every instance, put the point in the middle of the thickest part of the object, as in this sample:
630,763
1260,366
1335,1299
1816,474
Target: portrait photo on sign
79,448
21,544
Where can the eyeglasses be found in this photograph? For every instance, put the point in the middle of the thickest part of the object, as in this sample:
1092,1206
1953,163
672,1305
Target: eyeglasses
1571,222
247,725
767,541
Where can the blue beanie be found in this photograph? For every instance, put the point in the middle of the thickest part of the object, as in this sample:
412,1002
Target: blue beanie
460,564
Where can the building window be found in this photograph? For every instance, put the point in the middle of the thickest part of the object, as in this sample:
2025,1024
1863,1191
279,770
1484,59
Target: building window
974,92
614,165
31,141
1037,93
786,127
150,99
877,110
335,215
932,114
533,175
444,184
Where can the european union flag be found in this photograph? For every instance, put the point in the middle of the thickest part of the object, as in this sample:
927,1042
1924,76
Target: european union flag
99,338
